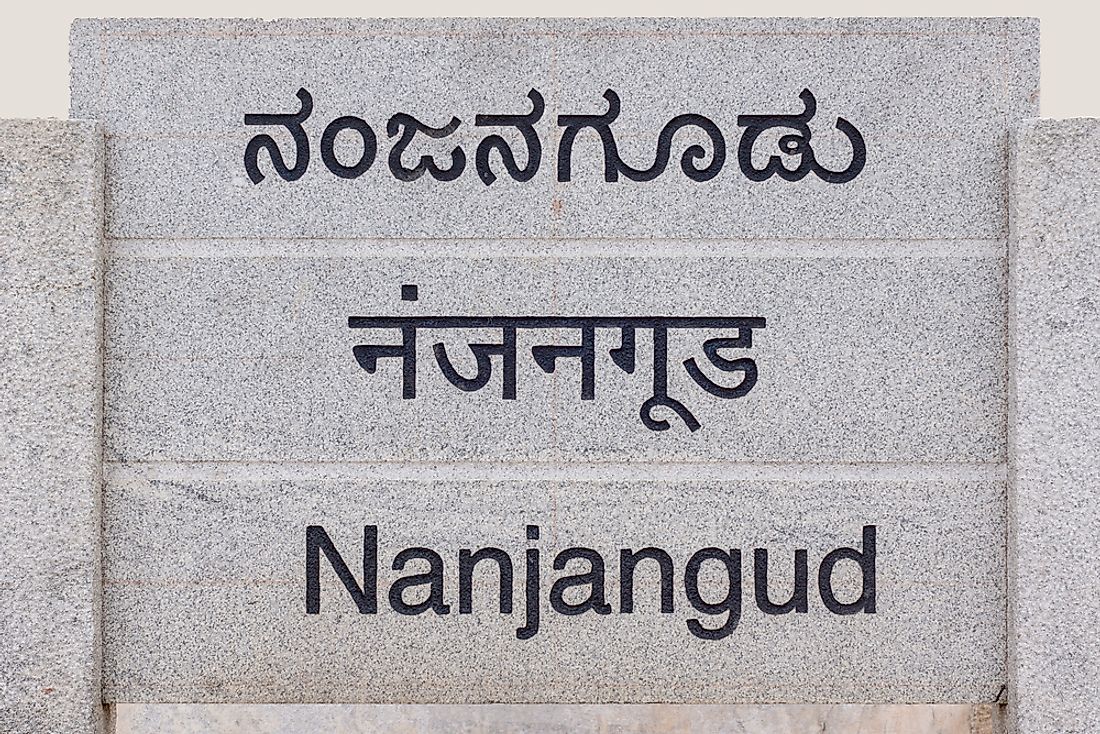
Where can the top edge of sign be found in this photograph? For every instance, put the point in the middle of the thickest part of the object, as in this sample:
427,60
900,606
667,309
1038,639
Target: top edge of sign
743,24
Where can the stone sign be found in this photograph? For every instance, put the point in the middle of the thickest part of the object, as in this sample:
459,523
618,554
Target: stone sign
435,347
549,361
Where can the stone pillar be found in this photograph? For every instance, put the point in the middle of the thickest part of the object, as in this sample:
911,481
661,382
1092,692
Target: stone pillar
51,211
1054,428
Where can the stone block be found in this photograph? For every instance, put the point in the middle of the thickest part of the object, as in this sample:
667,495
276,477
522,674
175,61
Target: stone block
216,356
219,560
932,98
51,175
1054,430
555,719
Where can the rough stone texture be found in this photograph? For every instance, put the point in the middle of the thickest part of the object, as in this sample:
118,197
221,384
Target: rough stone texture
544,719
236,413
218,562
213,357
1055,431
50,417
934,99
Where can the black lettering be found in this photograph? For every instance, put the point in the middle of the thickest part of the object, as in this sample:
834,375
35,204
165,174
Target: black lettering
628,561
866,560
593,578
799,601
317,542
731,603
525,124
466,564
407,127
434,578
292,121
546,356
797,144
328,147
531,626
690,155
614,165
